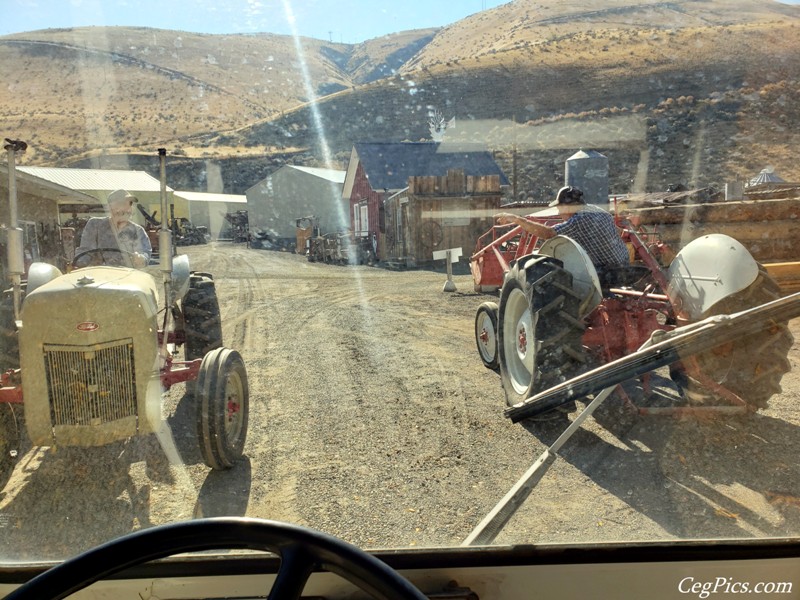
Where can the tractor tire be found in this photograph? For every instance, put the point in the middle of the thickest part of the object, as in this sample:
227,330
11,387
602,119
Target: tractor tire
9,342
539,330
202,325
9,442
751,368
222,408
486,334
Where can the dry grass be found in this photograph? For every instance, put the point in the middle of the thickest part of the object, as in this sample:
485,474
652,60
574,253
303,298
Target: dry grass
712,88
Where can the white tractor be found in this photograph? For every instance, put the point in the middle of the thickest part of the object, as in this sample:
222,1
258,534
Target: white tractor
88,354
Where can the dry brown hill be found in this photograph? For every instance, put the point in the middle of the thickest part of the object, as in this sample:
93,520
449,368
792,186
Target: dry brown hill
698,93
689,91
159,85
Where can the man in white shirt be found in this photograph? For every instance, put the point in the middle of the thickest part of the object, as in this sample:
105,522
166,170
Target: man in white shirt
115,239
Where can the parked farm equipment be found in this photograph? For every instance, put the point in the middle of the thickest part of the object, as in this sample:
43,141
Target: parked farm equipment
87,354
239,225
339,247
556,320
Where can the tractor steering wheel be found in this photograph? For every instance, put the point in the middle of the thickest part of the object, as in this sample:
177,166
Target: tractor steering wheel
100,250
301,550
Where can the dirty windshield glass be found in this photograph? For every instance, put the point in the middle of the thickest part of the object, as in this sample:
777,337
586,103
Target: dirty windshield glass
371,267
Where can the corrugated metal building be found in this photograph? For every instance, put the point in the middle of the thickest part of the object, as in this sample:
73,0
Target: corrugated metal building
38,213
99,183
276,202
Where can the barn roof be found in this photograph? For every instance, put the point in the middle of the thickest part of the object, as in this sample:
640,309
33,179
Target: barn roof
388,165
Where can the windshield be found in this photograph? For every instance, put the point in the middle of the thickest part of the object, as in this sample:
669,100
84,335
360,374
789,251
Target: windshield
418,275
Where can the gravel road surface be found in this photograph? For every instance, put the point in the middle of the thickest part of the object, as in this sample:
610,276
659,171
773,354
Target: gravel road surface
372,418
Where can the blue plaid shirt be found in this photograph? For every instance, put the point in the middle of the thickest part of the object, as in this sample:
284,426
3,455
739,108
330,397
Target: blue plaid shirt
594,229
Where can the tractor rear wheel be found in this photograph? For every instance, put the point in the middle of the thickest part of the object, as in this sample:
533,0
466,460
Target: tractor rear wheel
202,326
751,368
9,342
222,408
539,330
486,334
9,442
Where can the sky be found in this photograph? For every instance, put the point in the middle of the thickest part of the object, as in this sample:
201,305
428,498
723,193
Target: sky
344,21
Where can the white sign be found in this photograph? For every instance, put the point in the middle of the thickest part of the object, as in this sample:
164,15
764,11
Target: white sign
455,253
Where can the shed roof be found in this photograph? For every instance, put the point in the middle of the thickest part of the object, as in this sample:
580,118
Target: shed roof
97,179
211,197
388,165
43,188
333,175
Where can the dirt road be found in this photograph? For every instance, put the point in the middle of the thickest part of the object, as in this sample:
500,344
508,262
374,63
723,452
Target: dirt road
372,418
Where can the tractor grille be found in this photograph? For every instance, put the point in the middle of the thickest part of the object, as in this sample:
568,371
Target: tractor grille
90,385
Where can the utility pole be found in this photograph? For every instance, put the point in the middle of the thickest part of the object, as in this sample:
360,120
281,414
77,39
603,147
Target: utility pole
514,160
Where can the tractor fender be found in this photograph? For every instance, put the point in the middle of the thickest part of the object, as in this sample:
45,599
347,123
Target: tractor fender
40,273
579,265
708,270
180,277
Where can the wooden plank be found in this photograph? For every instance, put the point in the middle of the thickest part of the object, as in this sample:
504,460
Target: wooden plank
742,231
743,210
786,275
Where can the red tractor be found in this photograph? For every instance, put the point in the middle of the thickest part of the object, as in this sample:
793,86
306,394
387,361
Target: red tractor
556,320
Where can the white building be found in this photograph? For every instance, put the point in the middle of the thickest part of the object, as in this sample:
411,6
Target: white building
276,202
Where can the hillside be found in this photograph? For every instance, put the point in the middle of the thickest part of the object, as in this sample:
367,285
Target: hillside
166,85
691,92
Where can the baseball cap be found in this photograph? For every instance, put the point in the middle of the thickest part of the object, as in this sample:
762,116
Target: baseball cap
121,196
568,195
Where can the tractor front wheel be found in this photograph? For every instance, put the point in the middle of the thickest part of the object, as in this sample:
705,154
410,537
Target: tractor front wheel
222,408
539,329
486,334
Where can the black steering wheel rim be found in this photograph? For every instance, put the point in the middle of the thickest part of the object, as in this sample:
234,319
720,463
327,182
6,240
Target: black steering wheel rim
301,550
95,250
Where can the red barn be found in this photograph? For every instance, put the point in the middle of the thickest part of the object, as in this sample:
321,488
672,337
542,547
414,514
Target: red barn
378,170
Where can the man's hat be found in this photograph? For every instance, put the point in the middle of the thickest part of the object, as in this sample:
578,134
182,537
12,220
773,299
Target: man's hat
121,196
568,195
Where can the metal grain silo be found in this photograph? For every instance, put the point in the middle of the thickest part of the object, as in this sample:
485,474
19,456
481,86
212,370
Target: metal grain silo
588,170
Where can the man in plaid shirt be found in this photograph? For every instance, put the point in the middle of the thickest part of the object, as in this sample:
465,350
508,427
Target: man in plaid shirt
591,226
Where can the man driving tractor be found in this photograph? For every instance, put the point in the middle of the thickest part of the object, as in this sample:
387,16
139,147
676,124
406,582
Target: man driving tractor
591,226
114,240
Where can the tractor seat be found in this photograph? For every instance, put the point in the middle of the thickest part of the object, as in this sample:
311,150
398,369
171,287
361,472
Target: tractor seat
627,276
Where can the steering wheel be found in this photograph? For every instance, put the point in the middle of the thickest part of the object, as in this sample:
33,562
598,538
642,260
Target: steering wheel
130,255
96,250
300,549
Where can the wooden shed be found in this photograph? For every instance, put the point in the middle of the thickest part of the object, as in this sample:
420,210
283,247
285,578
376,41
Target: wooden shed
439,213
